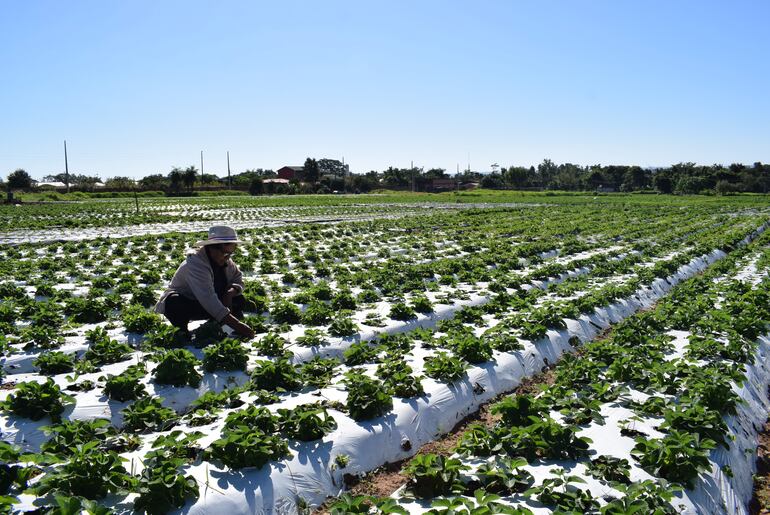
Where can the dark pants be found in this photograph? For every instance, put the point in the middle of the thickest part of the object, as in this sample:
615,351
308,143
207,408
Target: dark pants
180,310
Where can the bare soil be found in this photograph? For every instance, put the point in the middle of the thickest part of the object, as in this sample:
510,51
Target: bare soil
385,480
760,503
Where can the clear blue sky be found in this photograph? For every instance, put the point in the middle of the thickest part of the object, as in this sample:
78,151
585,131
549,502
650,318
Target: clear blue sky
137,87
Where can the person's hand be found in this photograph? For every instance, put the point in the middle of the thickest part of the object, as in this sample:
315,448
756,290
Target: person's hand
244,331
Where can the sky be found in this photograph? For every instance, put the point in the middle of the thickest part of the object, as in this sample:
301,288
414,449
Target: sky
138,87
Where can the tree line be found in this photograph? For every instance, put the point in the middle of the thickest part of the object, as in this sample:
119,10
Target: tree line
329,175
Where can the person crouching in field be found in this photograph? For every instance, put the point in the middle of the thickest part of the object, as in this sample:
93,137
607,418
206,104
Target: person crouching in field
208,285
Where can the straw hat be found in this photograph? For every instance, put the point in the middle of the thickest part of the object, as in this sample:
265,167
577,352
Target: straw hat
219,234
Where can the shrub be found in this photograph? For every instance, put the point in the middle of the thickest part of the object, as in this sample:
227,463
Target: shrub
177,368
227,355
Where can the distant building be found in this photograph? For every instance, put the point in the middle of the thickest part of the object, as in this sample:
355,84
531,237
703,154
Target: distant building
275,181
291,173
442,184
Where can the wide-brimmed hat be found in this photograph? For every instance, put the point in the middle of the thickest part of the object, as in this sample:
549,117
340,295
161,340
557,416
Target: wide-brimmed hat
219,234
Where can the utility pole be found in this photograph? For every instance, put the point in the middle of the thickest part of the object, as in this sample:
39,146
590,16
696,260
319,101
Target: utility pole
201,163
229,180
412,170
66,168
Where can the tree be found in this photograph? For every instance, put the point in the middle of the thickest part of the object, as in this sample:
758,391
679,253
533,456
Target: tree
18,180
189,175
331,167
175,179
153,182
120,183
257,187
515,176
311,170
663,183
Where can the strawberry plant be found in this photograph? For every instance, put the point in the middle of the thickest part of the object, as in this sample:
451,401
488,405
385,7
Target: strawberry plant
504,476
162,488
90,472
367,398
312,338
107,351
67,435
284,312
319,371
165,336
397,376
254,417
208,333
445,368
227,355
561,493
306,422
360,353
544,439
470,348
177,368
54,362
610,469
137,319
225,399
400,311
431,475
244,446
677,457
86,311
272,344
316,313
34,400
127,385
342,325
274,375
421,304
148,414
